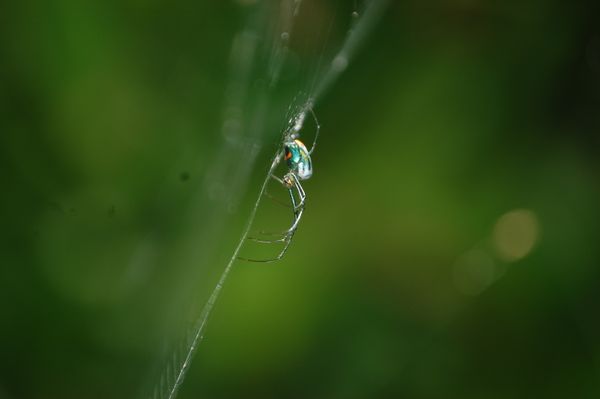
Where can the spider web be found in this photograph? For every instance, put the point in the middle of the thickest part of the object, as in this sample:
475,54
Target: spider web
260,88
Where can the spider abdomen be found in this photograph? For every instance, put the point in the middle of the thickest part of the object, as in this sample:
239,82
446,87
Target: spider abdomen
298,159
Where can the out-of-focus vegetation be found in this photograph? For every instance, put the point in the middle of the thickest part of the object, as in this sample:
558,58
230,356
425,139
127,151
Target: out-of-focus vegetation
449,248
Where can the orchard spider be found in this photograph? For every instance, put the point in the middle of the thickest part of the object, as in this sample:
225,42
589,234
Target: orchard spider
299,164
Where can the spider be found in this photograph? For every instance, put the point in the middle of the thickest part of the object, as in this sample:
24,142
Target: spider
299,164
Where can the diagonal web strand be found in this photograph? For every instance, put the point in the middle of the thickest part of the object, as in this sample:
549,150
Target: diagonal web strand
176,369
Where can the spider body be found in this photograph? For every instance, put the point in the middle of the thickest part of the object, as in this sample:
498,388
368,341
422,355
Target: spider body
298,159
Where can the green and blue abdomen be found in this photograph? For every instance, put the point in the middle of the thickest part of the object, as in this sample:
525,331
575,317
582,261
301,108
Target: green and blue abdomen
298,159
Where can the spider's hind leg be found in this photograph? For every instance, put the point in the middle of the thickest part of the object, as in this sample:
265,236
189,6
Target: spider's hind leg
297,204
276,200
259,240
297,198
298,210
287,240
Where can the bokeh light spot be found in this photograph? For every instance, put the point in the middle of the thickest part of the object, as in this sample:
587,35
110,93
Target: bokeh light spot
515,234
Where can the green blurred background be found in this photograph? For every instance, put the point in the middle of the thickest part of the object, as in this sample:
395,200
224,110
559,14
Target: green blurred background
449,248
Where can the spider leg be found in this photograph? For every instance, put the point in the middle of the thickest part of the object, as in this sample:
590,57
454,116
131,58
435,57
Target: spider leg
288,241
297,206
284,233
261,260
276,200
286,236
278,179
267,241
301,194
